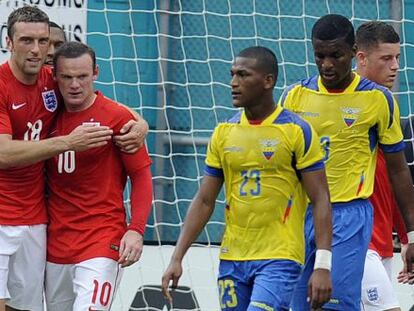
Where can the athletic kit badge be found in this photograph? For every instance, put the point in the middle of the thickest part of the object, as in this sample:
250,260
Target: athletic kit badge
92,122
50,100
372,294
350,115
268,147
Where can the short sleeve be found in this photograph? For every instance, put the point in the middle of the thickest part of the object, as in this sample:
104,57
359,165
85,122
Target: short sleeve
5,123
307,149
213,155
389,129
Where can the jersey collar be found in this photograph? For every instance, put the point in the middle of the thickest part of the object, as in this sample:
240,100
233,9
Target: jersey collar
268,121
350,89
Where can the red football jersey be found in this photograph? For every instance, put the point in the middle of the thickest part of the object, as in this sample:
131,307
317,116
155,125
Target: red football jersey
385,212
27,112
85,204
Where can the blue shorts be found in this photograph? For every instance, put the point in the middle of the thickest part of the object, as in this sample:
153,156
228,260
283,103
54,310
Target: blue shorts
352,227
257,284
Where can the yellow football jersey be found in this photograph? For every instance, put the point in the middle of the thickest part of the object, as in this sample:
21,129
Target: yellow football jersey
265,200
350,125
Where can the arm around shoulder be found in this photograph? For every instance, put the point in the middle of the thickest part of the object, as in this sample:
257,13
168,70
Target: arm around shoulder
133,133
15,153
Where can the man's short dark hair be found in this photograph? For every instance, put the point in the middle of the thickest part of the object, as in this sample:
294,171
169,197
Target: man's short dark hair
54,25
26,14
73,49
266,59
372,33
332,27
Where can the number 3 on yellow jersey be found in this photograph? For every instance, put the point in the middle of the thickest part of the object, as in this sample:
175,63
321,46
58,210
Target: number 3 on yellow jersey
326,142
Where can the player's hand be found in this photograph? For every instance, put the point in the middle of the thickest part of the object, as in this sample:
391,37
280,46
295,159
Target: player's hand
173,273
132,136
405,278
319,288
130,248
85,137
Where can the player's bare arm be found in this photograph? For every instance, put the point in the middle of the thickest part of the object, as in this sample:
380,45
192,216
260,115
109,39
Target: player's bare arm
16,153
133,133
198,214
316,186
401,182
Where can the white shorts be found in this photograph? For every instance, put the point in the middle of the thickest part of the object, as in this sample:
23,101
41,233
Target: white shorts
22,266
88,285
377,291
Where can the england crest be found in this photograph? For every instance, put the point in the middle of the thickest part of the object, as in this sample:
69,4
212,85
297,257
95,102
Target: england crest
372,294
50,100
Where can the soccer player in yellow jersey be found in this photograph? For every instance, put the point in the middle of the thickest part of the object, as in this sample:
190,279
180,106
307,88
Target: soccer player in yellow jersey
267,157
353,117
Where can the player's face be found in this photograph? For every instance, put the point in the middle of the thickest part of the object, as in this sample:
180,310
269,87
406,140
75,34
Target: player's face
334,61
28,48
75,77
247,82
56,39
380,64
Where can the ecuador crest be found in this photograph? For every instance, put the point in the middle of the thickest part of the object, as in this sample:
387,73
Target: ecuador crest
268,147
350,115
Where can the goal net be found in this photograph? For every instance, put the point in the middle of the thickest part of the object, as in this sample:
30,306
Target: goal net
170,60
185,51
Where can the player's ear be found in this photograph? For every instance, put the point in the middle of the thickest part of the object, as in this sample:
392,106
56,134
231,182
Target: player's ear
361,58
9,43
354,50
95,73
270,81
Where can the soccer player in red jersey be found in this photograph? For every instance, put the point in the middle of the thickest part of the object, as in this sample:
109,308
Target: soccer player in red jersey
378,58
56,39
28,106
88,239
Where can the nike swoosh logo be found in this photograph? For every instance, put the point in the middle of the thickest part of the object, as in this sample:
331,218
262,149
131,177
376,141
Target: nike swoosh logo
15,107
